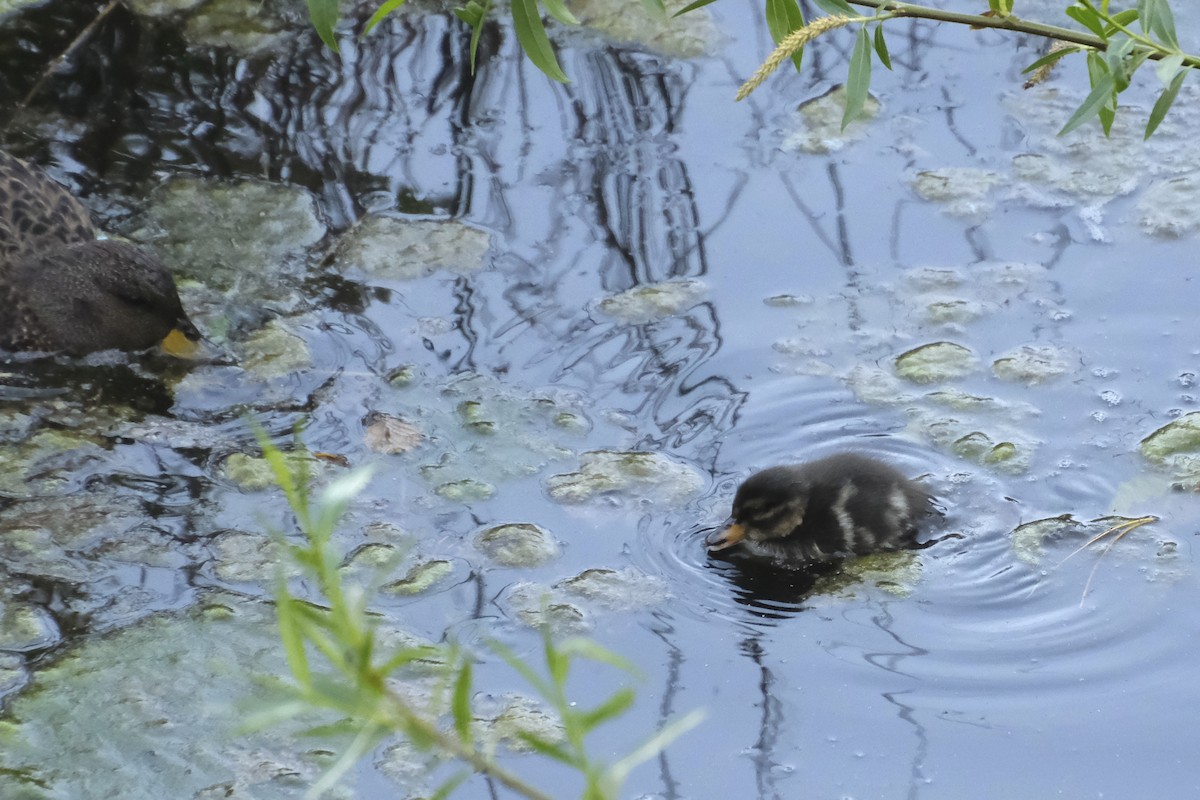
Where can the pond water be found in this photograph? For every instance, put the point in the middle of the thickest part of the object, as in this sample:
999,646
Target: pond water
494,288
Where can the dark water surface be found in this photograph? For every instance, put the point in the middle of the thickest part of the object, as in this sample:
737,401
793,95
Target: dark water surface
975,668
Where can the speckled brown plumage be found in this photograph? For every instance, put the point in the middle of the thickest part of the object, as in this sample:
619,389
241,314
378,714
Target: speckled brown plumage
841,505
61,289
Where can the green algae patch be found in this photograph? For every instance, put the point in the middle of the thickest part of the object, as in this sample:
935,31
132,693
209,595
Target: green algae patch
1178,437
895,573
820,124
1034,364
626,589
479,432
1170,209
654,301
240,557
960,191
254,473
235,237
518,544
25,627
243,27
644,476
174,687
1029,539
685,36
274,352
406,249
936,362
420,577
48,461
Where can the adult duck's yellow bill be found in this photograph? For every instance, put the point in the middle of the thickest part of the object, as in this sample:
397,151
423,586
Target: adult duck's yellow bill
179,344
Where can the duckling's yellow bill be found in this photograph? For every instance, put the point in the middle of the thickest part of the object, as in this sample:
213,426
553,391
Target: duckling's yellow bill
728,537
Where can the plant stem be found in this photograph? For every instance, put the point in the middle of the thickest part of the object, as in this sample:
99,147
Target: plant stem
1009,23
448,744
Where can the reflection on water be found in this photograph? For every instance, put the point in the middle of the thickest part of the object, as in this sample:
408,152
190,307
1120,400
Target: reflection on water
917,677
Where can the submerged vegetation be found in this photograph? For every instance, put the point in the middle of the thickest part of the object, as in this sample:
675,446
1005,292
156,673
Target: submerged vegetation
1116,43
341,662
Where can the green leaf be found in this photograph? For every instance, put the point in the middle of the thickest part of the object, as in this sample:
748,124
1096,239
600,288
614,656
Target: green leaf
1088,19
531,33
614,706
547,747
1124,18
560,12
881,49
460,704
1168,67
452,783
653,746
858,82
783,17
1163,104
289,635
474,15
532,678
1050,58
837,7
338,496
1157,19
693,7
381,13
1102,93
589,649
324,16
656,8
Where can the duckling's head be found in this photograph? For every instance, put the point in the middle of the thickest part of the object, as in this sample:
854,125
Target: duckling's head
90,296
770,504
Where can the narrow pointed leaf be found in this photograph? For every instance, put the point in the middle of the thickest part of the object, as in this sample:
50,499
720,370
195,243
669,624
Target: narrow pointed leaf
1102,92
654,745
1168,67
858,82
840,7
1164,24
452,783
381,13
1088,19
324,16
1050,58
693,7
881,48
461,703
1163,104
783,17
531,33
559,11
614,706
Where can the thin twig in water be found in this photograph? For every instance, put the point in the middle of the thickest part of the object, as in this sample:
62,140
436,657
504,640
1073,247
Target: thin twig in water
75,45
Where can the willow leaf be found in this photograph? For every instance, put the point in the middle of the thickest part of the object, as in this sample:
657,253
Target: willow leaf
1163,104
531,33
1093,104
324,16
858,82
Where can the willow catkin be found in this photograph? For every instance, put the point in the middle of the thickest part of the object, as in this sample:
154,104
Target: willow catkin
792,43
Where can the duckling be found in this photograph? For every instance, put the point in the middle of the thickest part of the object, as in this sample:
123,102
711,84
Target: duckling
61,289
841,505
